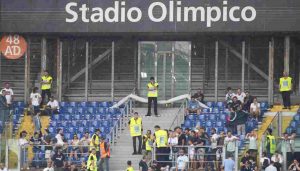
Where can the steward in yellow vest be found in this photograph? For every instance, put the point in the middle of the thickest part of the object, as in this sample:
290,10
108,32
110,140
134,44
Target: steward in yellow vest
162,150
136,128
285,87
95,142
92,161
147,142
270,143
46,86
152,88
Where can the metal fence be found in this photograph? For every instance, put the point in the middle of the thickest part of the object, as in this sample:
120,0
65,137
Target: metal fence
203,156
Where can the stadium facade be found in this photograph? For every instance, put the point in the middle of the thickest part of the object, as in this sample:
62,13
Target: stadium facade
103,49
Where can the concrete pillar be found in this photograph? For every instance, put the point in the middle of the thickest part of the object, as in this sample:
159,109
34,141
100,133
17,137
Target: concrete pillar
112,70
287,54
271,72
44,54
86,70
59,69
243,65
216,69
27,72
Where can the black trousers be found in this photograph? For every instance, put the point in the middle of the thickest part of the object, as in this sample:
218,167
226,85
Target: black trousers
134,144
286,98
44,93
150,99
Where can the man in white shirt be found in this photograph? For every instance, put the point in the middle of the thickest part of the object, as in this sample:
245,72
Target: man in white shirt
59,138
271,167
240,95
182,161
52,106
230,142
9,94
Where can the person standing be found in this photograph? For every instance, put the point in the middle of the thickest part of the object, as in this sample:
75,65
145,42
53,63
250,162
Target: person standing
136,127
58,160
129,166
3,107
95,141
9,95
161,140
105,155
152,88
92,161
229,163
270,143
46,86
285,87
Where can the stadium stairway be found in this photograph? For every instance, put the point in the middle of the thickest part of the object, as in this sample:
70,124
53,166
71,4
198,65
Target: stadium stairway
122,151
27,125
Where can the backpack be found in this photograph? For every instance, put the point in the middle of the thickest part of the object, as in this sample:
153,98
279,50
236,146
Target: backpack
265,163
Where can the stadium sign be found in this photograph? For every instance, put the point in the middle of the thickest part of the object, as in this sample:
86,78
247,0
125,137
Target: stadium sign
174,12
148,16
13,46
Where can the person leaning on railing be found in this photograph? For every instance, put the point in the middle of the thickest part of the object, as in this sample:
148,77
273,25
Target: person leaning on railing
161,141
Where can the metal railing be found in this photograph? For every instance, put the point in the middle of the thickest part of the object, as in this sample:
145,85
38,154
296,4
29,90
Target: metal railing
179,118
204,156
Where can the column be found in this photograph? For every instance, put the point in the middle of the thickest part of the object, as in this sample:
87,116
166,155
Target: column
271,72
86,70
216,69
112,70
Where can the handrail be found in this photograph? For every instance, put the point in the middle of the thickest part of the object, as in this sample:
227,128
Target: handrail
177,114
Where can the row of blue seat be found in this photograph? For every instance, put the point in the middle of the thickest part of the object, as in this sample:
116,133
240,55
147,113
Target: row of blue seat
80,130
83,123
208,116
89,110
263,105
87,104
57,117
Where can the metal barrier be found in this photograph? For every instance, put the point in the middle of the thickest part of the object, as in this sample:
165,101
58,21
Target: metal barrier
74,154
203,156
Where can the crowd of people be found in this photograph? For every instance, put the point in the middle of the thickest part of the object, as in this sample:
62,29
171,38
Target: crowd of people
56,152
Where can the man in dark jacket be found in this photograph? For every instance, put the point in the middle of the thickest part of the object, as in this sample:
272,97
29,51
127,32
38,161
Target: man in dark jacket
4,110
58,160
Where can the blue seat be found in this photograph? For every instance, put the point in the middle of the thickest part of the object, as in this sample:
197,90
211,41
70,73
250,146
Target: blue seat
70,110
216,110
264,105
210,104
104,104
20,104
94,104
95,123
102,129
53,123
68,136
74,123
223,117
297,118
81,110
102,110
219,124
191,117
85,123
205,110
107,130
67,117
56,117
293,124
65,124
72,130
73,104
91,110
51,130
112,110
63,104
208,124
87,117
220,105
201,117
212,117
81,129
77,117
219,129
106,123
187,123
97,117
91,130
289,130
83,104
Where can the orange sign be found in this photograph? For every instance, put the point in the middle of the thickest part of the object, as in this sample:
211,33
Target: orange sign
13,46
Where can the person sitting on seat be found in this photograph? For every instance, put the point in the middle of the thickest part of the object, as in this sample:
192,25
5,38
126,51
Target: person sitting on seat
255,108
52,106
193,106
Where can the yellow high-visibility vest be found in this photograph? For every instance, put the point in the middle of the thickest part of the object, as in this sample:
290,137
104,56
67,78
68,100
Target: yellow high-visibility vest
135,127
153,92
92,164
272,143
285,84
48,79
130,169
148,143
161,138
97,142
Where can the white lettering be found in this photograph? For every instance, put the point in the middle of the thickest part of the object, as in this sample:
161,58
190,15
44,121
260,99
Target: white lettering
163,11
231,14
71,12
253,13
115,12
225,11
97,16
138,14
194,13
209,18
83,10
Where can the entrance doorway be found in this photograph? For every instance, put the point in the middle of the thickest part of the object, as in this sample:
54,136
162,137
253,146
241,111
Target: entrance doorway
169,62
